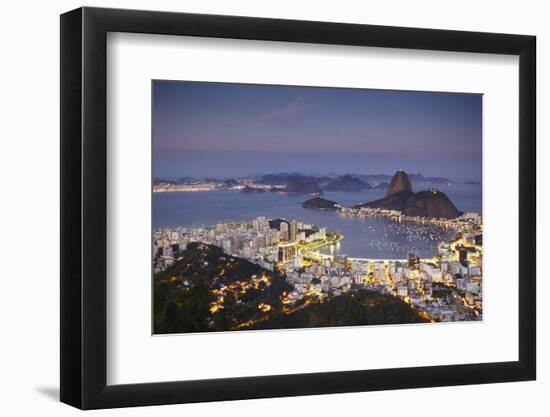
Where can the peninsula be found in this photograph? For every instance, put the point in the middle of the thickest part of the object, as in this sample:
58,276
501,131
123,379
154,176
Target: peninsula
431,203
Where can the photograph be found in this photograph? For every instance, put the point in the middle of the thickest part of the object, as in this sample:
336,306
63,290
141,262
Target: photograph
266,209
284,207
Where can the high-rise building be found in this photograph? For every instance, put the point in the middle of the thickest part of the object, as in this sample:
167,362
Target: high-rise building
478,239
260,224
287,253
414,261
293,231
261,241
226,245
340,261
256,224
463,255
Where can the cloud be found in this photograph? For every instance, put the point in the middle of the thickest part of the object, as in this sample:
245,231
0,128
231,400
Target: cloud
290,107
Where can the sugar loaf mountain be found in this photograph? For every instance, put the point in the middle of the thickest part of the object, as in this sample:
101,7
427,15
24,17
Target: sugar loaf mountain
431,203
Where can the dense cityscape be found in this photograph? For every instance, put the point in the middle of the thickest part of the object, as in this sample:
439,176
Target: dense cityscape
444,288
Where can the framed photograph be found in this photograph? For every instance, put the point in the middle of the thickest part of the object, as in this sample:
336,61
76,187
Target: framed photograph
258,208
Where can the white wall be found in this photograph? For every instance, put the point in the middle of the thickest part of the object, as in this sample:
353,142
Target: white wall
29,173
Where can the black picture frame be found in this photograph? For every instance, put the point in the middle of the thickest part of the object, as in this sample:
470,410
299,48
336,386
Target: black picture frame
84,207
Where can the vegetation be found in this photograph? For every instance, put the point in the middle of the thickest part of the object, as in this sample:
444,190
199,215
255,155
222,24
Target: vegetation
208,290
186,293
352,309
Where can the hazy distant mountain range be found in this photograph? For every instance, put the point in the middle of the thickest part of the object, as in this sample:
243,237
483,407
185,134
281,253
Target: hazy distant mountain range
399,190
431,203
296,183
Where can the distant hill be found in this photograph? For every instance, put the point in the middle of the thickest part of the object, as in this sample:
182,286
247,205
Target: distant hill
380,186
375,178
231,182
283,178
251,190
418,177
347,183
161,181
174,181
324,181
303,185
275,179
187,180
415,178
320,204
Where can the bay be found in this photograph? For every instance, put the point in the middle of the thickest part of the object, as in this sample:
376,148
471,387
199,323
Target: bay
375,238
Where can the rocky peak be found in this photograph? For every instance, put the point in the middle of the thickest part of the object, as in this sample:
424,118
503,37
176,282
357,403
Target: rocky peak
399,182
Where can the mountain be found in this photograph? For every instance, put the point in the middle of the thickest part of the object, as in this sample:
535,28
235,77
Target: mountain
303,185
395,201
375,178
164,181
347,183
186,180
174,181
228,184
251,190
275,179
320,204
431,203
418,177
399,182
231,182
284,177
380,186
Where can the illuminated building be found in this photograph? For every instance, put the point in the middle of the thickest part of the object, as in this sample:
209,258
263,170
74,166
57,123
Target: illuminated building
341,261
414,261
293,231
462,255
287,253
478,239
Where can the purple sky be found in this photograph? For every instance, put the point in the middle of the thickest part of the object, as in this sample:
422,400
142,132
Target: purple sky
225,130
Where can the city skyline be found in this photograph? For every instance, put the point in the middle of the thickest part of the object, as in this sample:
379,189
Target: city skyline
218,129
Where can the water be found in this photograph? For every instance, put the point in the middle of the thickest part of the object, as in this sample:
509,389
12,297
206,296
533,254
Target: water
377,238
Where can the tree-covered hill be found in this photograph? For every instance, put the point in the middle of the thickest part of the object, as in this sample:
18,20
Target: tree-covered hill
351,309
207,290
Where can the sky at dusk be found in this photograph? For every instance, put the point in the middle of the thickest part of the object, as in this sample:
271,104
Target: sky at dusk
230,130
